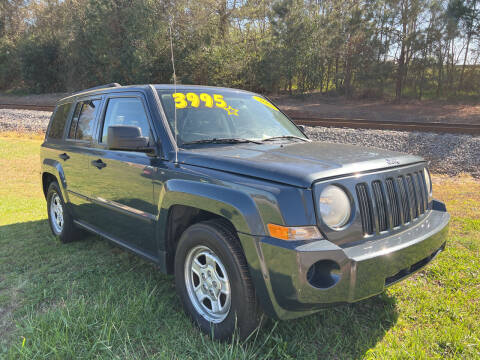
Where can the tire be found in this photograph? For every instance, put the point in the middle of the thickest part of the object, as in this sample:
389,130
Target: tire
215,249
59,218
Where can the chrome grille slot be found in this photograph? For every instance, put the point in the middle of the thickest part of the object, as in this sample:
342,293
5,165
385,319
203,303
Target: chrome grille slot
403,199
424,190
419,190
381,205
394,203
412,196
365,207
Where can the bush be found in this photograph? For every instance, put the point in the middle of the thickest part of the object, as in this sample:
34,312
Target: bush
41,64
10,69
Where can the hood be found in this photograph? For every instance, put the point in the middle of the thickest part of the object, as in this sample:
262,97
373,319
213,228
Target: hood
297,164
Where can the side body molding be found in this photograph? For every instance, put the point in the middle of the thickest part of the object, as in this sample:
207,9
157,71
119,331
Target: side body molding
231,204
55,168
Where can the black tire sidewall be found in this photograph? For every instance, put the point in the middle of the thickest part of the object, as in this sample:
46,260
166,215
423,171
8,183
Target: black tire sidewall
52,190
240,312
69,232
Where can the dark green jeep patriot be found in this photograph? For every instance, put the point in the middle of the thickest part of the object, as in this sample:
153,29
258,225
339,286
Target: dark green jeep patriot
218,187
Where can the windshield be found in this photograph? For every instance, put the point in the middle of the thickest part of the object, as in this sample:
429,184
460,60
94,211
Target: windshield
207,114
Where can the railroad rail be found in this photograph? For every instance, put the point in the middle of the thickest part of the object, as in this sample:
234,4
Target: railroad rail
307,119
28,107
391,125
436,127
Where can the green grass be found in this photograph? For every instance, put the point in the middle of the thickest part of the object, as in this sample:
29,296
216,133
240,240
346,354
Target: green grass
90,299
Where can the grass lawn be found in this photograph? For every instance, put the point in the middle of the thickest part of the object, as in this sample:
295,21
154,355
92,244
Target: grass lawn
90,299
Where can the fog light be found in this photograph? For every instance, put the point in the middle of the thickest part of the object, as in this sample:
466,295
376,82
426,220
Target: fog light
324,274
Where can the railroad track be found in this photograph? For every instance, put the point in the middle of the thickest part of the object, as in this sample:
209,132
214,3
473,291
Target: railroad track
28,107
436,127
301,118
391,125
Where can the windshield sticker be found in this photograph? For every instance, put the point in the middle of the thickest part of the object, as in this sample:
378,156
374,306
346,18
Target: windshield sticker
231,111
265,102
195,100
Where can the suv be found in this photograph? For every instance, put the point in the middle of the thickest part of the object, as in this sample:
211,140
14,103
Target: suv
220,188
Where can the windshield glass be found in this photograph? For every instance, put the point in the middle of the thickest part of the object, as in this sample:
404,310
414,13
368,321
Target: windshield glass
207,114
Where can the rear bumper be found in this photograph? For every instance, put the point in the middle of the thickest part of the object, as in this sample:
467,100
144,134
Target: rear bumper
283,282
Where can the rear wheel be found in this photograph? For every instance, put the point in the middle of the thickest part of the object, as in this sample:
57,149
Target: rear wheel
213,282
59,218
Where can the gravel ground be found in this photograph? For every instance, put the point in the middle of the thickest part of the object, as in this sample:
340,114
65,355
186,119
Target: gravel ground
448,154
24,120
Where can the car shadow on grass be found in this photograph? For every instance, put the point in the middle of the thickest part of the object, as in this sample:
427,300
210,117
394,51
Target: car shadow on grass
59,291
346,331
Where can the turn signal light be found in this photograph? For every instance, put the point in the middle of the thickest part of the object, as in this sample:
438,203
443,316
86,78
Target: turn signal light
294,233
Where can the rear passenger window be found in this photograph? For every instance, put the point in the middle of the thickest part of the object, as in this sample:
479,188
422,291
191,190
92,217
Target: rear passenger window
58,121
83,122
73,126
125,111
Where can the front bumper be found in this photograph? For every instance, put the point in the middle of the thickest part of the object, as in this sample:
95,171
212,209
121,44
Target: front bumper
279,269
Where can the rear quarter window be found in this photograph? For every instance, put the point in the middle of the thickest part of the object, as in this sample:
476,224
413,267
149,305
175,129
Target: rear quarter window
58,121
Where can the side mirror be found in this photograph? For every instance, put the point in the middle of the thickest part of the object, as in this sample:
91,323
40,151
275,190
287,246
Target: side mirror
124,137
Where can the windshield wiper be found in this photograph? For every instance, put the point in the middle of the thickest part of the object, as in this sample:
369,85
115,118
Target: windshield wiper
286,137
222,141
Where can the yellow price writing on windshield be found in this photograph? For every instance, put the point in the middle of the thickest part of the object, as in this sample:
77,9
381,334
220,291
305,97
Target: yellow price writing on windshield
195,100
180,101
207,99
265,102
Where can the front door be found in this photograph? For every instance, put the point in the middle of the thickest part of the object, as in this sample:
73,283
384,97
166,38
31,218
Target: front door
122,186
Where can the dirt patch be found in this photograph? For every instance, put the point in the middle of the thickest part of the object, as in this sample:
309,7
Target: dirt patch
6,321
380,110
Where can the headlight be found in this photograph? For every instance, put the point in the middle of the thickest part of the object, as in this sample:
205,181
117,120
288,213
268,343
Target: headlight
428,181
335,207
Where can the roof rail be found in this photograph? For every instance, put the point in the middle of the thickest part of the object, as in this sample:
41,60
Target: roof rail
99,87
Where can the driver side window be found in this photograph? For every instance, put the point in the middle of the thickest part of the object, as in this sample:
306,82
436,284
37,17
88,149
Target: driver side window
125,111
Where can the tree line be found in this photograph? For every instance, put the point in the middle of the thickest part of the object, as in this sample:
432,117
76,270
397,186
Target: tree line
364,48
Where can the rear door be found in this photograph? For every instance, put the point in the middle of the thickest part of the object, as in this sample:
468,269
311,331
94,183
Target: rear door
122,186
53,148
75,155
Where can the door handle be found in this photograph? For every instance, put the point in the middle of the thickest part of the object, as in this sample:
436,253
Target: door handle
99,164
64,156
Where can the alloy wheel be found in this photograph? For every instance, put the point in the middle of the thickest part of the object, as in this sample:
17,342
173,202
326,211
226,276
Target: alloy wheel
207,284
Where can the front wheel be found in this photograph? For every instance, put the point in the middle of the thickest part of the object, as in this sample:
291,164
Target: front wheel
213,282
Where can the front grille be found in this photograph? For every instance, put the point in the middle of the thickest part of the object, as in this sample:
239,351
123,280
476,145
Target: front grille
393,202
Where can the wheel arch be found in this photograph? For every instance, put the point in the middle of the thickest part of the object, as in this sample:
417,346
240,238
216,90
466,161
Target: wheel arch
52,171
47,179
185,203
